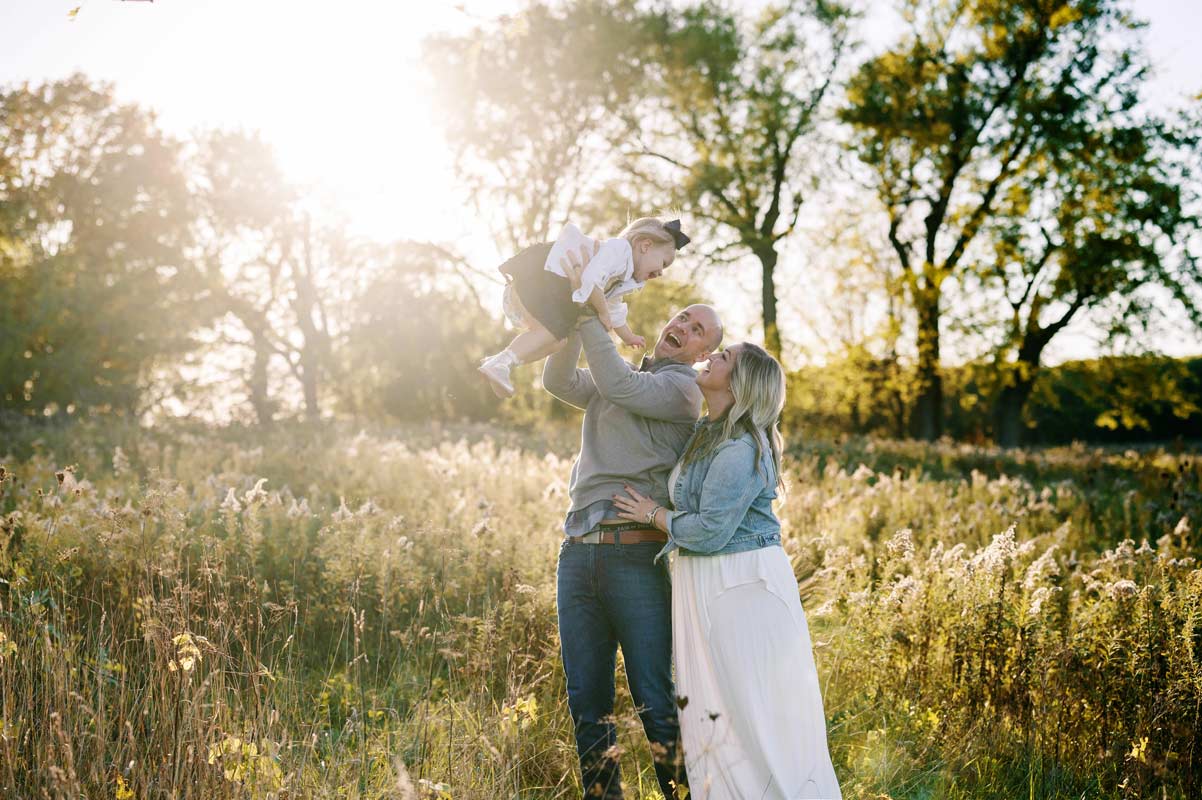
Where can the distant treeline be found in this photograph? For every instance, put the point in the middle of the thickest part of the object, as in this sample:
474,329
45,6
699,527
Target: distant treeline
1105,400
1013,185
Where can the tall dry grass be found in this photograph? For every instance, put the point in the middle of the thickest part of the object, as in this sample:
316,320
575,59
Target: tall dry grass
311,613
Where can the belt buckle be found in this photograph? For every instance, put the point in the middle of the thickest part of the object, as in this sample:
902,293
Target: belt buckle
593,537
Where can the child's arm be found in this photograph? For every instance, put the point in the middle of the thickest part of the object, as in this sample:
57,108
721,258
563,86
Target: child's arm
600,304
618,312
629,337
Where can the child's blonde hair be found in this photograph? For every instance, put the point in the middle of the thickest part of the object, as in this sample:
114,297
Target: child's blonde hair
648,228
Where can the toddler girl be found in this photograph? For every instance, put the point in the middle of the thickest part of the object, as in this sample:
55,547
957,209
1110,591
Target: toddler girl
540,297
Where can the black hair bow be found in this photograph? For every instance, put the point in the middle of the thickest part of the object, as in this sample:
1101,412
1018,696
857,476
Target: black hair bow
674,228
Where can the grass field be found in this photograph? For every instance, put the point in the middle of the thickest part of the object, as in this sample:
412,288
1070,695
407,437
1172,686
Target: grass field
331,614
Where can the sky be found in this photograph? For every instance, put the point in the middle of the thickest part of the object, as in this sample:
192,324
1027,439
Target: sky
339,90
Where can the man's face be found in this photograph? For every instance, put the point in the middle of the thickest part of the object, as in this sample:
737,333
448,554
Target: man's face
689,336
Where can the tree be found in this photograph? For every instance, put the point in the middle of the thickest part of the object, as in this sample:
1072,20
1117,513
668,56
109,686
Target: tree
1107,216
727,123
277,282
407,338
526,103
242,202
320,262
94,213
952,120
1118,399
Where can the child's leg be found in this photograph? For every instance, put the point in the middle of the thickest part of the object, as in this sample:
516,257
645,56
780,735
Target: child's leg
534,344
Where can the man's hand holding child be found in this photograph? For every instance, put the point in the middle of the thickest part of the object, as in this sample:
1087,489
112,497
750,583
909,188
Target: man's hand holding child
573,264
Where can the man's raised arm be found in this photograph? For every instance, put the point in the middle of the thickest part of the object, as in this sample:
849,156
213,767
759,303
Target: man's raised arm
563,379
666,395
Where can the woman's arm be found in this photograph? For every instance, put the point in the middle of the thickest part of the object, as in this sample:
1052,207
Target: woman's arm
731,484
639,508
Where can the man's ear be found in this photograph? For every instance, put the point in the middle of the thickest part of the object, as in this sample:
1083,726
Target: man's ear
703,356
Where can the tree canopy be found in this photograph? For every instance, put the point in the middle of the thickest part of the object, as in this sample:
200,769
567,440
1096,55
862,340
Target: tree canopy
970,126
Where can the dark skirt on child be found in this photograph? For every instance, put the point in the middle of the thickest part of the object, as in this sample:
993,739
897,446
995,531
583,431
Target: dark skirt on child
546,296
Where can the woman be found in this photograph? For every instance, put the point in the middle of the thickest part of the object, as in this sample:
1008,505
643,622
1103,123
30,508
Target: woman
751,720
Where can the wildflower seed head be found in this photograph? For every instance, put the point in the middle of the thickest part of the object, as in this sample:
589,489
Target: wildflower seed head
901,543
343,512
255,495
1122,588
231,504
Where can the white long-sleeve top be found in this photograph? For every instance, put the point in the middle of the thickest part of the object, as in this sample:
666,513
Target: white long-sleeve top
611,269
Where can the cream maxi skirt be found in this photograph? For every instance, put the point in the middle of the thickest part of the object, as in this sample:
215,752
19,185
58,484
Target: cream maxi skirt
752,726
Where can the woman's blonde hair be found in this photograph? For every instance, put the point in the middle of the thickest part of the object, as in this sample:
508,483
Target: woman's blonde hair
648,228
757,382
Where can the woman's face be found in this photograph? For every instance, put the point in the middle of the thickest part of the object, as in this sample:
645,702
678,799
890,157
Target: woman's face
716,374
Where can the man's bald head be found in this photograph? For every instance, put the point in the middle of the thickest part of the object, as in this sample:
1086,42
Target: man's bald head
691,335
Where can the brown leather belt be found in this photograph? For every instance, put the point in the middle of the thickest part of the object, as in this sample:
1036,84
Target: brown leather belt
628,536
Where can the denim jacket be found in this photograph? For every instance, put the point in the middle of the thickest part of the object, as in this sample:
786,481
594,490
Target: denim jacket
724,502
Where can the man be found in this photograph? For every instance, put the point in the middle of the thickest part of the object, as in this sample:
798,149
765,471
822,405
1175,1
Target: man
610,592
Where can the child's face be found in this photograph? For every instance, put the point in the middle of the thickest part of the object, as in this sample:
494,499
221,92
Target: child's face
651,259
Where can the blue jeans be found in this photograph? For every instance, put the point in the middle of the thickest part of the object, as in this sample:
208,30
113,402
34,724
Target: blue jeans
612,595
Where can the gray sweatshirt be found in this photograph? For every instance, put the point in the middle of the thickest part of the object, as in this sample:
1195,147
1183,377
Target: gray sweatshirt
636,422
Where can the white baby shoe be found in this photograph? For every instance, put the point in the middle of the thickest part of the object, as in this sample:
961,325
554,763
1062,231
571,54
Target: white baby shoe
496,369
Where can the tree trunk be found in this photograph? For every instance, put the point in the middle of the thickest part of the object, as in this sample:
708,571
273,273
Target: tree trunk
1012,399
309,383
768,256
304,303
1009,429
927,422
258,380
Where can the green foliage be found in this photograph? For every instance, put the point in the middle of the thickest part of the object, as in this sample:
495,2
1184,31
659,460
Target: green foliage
527,101
415,341
1117,399
727,121
242,208
1127,399
282,274
1091,227
1002,142
94,213
858,393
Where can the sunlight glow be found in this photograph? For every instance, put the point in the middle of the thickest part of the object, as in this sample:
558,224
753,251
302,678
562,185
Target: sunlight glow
340,92
337,90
